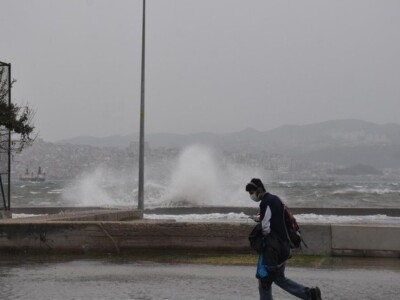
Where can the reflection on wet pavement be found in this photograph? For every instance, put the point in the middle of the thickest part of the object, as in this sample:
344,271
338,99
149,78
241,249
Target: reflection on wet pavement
104,279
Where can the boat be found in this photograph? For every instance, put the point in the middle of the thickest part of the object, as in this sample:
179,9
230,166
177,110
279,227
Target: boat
39,177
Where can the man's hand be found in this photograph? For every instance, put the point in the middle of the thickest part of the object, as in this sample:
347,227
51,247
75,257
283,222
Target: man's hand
255,218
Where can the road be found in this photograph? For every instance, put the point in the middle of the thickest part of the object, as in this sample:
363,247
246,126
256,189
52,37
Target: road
107,279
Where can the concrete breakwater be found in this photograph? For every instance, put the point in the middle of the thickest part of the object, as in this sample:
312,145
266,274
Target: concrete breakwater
124,230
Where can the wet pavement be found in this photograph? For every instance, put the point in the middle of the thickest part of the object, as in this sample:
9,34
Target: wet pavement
108,279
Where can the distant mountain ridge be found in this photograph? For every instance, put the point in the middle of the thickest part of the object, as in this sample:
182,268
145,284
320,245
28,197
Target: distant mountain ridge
325,134
118,141
343,141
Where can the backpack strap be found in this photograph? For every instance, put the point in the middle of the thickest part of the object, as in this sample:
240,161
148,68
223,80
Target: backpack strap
286,230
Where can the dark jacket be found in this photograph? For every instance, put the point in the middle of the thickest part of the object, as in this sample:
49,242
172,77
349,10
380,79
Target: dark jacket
276,244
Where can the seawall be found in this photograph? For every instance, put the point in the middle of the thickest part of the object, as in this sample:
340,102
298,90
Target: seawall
117,231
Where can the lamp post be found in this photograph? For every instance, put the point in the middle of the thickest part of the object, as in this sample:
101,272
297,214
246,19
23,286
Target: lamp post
141,139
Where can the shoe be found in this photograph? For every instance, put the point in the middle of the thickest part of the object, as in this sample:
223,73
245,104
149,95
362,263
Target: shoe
315,293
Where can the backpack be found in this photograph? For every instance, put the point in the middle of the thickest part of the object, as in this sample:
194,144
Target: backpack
292,228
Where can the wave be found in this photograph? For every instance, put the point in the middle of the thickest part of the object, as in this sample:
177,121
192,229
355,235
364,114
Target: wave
301,218
334,219
201,217
17,216
365,190
58,191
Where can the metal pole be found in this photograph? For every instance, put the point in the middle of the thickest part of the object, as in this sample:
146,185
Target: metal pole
9,142
2,193
141,142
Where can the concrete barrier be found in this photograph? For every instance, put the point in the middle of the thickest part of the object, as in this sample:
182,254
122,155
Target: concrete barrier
98,215
124,231
85,237
366,240
318,238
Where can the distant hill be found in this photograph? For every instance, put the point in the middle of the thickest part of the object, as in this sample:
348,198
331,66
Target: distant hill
346,142
117,141
378,156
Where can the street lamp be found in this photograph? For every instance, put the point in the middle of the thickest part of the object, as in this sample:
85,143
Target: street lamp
141,138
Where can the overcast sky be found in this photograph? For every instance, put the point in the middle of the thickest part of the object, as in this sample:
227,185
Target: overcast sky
211,65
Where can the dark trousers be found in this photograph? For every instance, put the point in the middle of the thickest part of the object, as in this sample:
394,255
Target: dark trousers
278,277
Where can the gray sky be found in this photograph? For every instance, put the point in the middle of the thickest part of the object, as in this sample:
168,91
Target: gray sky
212,65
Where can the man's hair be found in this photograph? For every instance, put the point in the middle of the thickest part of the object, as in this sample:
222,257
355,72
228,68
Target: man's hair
255,185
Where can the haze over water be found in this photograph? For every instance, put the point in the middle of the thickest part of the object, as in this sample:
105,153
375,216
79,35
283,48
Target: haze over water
200,177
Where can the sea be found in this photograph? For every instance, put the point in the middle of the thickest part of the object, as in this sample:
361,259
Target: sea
123,193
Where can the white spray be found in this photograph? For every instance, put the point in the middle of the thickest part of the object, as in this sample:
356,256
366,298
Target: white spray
195,180
199,177
202,177
101,187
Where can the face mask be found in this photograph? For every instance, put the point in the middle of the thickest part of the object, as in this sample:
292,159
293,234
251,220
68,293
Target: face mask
254,197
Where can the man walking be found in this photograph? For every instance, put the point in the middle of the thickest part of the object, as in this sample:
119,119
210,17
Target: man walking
276,245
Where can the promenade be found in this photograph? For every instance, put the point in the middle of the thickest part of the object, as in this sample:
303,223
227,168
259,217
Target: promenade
109,279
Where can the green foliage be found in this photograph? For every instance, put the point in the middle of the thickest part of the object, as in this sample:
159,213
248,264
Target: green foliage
14,119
